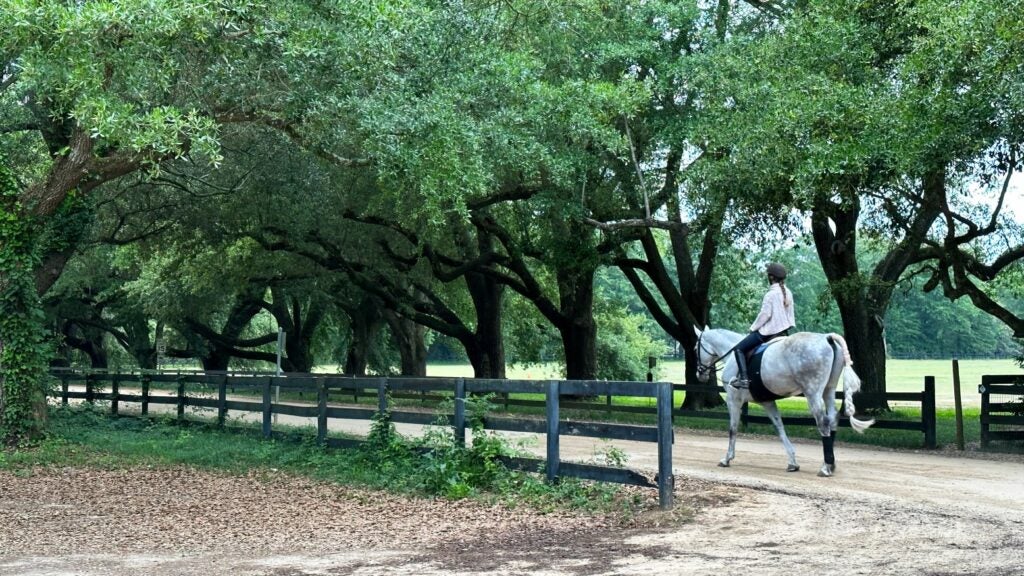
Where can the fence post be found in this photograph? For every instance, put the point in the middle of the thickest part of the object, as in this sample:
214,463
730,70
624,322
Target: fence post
90,392
958,405
460,412
145,394
984,411
321,411
382,395
181,398
113,393
666,480
552,430
928,411
222,401
267,406
64,389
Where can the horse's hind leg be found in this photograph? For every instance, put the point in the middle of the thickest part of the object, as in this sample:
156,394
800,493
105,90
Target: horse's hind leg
821,417
831,411
833,424
776,418
735,403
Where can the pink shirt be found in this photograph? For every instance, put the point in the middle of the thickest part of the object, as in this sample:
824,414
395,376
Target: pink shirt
775,316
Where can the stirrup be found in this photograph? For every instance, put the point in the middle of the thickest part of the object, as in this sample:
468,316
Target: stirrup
740,383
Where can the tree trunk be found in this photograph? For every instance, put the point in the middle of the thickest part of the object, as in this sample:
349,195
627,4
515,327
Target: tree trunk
299,317
245,308
88,340
409,338
299,357
862,315
700,306
216,361
488,355
864,335
578,330
139,344
365,321
97,355
23,356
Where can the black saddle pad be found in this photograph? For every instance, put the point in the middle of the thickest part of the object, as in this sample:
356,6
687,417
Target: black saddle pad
757,389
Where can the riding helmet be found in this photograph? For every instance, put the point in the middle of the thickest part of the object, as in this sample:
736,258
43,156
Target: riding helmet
777,270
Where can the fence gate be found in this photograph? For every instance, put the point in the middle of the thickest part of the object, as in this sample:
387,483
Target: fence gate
1002,408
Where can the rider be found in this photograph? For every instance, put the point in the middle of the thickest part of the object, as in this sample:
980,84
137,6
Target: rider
775,319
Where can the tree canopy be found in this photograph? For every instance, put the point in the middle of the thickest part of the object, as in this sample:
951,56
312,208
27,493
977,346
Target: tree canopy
574,179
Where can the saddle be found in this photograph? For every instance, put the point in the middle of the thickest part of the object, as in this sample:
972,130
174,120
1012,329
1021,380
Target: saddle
757,388
758,350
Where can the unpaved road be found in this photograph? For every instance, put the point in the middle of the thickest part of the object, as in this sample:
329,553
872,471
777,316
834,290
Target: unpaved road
885,512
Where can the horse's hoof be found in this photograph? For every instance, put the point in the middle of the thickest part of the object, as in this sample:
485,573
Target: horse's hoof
827,470
793,468
723,464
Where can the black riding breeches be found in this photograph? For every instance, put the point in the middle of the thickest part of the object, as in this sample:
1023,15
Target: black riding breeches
748,344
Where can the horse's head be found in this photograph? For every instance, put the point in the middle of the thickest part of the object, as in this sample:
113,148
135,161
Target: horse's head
706,353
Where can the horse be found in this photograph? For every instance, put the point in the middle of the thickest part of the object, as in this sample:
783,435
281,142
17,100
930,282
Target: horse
805,363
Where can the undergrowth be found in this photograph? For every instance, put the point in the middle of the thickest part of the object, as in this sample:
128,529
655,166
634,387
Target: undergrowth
435,465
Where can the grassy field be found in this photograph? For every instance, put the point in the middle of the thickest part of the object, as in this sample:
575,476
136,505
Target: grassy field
902,375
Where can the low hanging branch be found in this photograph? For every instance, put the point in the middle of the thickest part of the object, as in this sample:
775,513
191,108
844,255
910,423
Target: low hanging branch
660,198
638,223
959,264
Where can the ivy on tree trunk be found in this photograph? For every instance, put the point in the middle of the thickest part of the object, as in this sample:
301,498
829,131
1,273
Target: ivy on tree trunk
22,336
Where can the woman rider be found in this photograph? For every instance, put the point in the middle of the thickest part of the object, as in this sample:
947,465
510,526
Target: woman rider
775,319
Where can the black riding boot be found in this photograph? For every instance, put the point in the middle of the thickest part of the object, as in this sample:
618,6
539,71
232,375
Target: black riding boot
741,380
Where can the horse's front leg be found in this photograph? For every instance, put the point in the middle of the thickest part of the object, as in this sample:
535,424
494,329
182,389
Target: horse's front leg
821,417
734,401
776,418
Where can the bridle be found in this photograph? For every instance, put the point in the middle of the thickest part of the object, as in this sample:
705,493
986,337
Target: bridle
703,368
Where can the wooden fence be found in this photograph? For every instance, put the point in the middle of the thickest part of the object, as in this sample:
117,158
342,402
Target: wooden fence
1007,415
925,425
458,390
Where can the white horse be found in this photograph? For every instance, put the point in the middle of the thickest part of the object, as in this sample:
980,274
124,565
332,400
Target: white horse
804,363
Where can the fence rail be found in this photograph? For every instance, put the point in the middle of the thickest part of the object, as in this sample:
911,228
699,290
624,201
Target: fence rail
925,425
457,389
1002,414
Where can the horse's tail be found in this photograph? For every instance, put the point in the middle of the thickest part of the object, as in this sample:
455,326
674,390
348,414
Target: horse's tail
851,385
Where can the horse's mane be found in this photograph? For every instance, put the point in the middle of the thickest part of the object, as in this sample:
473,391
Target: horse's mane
728,332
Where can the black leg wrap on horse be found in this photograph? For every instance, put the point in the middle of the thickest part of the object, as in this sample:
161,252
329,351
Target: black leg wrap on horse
827,443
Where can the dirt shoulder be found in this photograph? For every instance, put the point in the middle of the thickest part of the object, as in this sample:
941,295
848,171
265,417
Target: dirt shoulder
886,512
